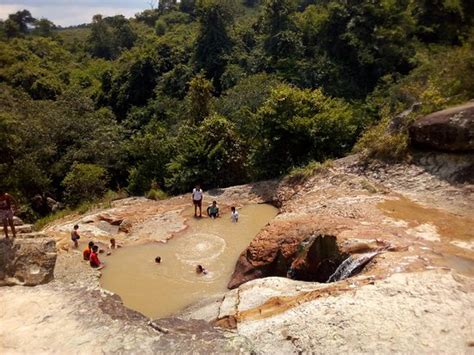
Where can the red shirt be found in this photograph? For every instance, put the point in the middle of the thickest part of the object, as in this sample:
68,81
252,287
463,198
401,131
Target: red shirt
86,253
94,260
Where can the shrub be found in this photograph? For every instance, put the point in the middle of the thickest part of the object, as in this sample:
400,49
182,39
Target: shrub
85,182
156,194
299,175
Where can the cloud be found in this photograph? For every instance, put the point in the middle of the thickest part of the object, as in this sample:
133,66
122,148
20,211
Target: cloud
64,13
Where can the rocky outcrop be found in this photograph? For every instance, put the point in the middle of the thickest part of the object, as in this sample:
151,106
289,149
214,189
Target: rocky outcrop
449,130
27,261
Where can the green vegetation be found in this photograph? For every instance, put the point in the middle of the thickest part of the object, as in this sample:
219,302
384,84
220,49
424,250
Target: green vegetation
220,92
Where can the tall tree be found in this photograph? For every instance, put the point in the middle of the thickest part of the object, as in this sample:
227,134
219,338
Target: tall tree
213,40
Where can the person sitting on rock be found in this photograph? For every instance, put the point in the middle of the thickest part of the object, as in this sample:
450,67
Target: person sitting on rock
234,215
75,236
7,202
94,258
87,251
213,210
201,270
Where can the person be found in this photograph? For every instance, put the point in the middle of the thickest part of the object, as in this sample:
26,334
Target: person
112,243
158,259
213,210
94,258
6,213
201,270
75,236
197,200
87,251
234,215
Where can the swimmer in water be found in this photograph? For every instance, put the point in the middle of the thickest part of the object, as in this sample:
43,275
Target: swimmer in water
158,259
201,270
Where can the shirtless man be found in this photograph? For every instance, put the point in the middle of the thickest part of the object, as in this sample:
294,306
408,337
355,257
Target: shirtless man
6,212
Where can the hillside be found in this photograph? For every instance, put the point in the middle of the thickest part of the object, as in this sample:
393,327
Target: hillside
218,93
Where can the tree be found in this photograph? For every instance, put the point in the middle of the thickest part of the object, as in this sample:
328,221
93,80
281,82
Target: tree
100,39
296,126
213,42
44,28
17,23
199,98
85,182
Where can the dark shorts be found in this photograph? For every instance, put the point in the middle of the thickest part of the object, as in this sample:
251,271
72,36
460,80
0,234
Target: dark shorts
215,214
197,203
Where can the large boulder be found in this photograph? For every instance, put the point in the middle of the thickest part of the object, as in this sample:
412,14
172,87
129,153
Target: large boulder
27,261
449,130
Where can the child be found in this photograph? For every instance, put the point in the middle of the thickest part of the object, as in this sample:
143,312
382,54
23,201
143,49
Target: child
94,259
213,210
75,236
201,270
87,251
234,215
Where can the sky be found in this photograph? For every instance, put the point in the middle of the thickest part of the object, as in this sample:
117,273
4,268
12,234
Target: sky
73,12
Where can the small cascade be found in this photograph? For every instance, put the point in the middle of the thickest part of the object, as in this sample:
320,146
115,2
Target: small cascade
352,266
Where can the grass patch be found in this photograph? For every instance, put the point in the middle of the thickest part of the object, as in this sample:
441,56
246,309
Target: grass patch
378,143
299,175
83,208
156,194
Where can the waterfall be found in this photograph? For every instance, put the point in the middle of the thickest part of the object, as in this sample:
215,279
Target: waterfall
351,266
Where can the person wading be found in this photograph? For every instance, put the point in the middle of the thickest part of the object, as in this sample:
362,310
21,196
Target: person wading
6,212
197,200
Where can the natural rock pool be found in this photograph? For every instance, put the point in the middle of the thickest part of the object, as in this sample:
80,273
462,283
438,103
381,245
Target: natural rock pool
159,290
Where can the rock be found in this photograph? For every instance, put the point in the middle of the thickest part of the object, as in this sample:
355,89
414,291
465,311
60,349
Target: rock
318,259
113,220
125,226
27,262
288,244
398,123
17,221
25,228
448,130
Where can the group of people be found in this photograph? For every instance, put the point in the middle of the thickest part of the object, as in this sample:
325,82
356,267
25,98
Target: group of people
212,209
91,252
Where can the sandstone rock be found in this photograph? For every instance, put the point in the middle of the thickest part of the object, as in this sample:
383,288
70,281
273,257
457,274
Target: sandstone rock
318,259
111,219
17,221
125,226
448,130
27,262
281,246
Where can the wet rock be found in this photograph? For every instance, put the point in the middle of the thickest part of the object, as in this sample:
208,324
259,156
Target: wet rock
448,130
27,262
318,259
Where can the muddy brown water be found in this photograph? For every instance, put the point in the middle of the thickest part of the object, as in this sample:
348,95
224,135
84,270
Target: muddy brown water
160,290
448,225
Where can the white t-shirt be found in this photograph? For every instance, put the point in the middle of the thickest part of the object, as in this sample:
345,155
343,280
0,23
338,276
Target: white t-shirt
234,216
197,194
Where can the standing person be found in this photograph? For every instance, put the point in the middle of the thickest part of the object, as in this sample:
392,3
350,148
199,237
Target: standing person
75,236
6,212
234,215
197,200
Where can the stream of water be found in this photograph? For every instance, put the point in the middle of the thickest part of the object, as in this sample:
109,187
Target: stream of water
159,290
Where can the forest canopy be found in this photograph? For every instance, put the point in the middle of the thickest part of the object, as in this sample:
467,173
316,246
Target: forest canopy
218,92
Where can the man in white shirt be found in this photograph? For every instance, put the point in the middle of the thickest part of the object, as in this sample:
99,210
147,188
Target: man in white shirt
197,200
